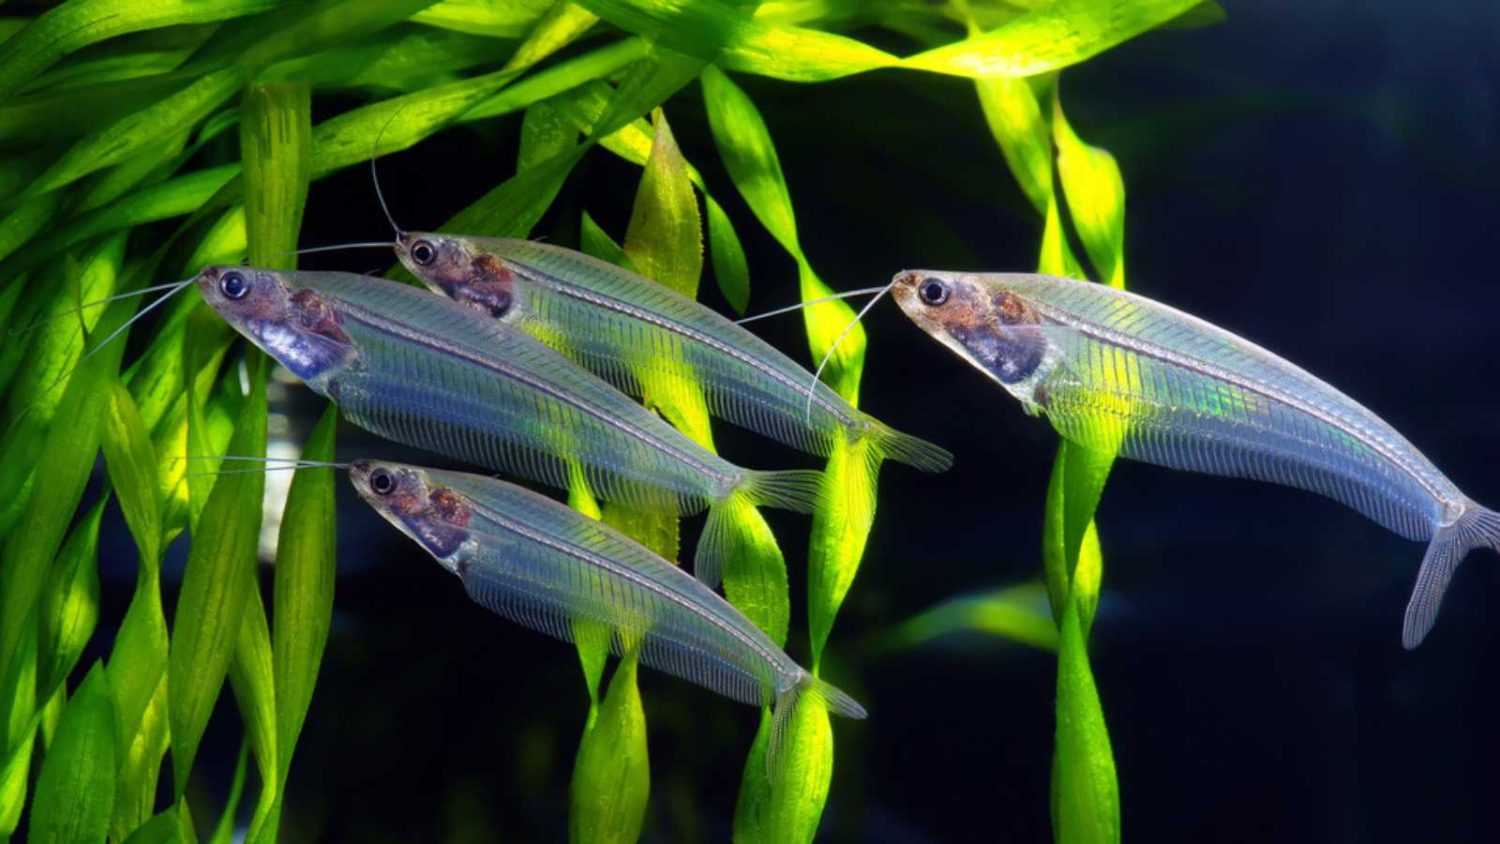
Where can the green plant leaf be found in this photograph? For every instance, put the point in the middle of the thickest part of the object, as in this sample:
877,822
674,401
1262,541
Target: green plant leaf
801,776
73,25
1049,37
133,133
731,270
563,76
20,721
215,586
1095,194
664,240
276,148
558,27
840,529
68,452
1015,119
76,789
70,605
305,565
1018,613
252,676
612,776
506,19
745,146
161,829
1085,793
131,460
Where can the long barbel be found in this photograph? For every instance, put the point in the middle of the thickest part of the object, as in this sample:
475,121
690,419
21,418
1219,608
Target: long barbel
622,326
1115,370
546,566
422,370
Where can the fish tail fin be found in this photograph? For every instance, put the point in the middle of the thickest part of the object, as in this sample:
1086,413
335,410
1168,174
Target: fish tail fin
797,490
1476,528
726,530
905,448
809,687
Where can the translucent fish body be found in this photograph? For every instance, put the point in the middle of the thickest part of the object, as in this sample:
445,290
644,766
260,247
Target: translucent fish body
626,328
1119,372
550,568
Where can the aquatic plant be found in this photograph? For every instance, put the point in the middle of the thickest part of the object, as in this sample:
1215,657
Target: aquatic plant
147,187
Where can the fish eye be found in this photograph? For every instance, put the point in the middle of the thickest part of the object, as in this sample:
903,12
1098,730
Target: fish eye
234,286
382,482
933,292
423,253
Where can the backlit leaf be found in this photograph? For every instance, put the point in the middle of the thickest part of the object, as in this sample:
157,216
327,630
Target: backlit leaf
70,606
1049,37
840,529
76,789
612,775
68,453
496,18
276,148
76,24
215,586
131,461
252,676
305,562
1017,613
1095,194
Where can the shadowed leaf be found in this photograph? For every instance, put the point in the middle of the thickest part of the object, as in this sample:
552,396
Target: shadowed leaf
76,788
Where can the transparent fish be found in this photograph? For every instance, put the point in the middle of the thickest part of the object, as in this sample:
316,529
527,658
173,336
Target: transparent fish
548,567
424,371
620,325
1114,370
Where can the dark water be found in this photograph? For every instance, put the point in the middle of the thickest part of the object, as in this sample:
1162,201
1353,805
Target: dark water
1317,176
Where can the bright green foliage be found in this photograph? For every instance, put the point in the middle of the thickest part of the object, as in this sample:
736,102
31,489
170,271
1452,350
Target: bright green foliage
77,785
1018,613
305,562
612,776
216,587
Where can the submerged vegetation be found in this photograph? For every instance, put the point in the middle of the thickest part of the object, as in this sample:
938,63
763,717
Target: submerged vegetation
118,169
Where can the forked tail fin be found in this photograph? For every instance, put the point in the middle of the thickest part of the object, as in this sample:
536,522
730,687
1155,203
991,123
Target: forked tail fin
809,687
1476,528
905,448
730,530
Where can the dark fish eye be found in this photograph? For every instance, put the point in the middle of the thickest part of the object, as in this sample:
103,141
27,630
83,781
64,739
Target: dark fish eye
423,253
234,286
933,292
382,482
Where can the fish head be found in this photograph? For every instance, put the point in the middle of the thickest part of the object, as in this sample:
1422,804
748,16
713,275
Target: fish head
434,515
294,325
978,316
457,267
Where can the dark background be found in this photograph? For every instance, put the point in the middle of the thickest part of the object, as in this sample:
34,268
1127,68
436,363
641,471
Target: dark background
1317,176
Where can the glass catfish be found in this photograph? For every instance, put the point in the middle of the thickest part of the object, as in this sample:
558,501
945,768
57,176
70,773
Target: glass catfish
1114,370
620,325
424,371
548,567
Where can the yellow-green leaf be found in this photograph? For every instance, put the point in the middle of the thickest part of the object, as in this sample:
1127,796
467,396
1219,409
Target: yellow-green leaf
68,452
840,528
276,148
496,18
612,775
252,676
305,563
216,586
1015,119
1049,37
1018,613
77,24
1085,793
70,606
131,461
801,774
1095,194
664,240
76,789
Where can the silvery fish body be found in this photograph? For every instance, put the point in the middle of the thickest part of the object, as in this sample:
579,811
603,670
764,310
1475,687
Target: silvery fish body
548,567
625,328
422,370
1114,370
